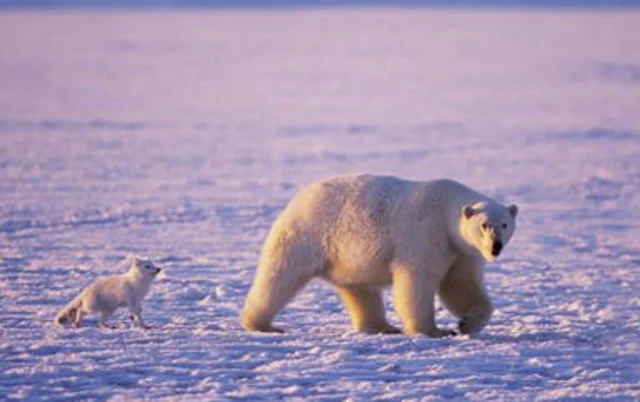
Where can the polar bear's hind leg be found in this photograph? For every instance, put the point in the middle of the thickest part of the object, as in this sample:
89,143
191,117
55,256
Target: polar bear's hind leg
270,292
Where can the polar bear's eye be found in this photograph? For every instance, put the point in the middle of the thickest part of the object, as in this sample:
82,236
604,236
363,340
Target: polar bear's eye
504,225
485,226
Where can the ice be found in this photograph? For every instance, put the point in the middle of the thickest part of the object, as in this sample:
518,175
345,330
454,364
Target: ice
182,134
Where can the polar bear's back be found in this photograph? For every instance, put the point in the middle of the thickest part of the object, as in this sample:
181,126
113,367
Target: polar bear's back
343,200
342,221
376,196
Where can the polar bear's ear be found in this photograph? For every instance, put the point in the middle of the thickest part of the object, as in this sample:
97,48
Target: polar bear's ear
468,211
513,210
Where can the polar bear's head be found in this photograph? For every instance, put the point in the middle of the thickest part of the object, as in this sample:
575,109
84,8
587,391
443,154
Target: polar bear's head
488,227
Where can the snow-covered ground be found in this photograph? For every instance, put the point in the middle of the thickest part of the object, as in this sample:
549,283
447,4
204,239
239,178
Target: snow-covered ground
181,135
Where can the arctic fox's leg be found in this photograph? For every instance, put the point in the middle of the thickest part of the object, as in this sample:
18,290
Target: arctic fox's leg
102,321
366,309
135,309
77,320
413,300
136,313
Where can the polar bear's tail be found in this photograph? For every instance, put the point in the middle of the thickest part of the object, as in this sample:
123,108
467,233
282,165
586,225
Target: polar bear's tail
68,313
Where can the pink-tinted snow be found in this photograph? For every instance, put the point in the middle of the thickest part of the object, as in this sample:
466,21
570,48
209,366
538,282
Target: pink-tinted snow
181,135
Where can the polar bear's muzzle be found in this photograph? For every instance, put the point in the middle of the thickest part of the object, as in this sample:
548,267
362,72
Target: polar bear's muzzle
496,248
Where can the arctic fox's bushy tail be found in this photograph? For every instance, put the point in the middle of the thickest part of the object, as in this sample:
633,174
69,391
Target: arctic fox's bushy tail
68,313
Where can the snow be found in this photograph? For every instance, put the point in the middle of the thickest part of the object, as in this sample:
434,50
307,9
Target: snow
181,135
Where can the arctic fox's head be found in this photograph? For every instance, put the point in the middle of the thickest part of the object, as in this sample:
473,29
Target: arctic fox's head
144,266
488,227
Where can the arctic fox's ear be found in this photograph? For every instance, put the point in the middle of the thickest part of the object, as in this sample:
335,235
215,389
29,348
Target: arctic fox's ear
468,211
513,210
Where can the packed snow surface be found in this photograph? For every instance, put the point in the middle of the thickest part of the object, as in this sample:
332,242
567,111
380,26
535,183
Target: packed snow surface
181,135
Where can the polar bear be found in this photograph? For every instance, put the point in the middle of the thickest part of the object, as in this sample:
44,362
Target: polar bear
362,233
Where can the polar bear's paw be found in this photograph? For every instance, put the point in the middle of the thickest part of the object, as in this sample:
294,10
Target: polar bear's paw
446,333
381,329
268,328
441,333
463,325
470,325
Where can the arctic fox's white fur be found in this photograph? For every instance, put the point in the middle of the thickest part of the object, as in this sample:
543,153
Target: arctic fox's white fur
106,295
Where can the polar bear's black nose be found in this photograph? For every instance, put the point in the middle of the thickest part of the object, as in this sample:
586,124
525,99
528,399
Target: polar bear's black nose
496,248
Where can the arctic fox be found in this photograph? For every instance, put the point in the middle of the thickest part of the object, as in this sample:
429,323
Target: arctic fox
105,295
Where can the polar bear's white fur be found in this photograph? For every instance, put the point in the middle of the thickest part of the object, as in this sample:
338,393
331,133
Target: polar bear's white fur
363,233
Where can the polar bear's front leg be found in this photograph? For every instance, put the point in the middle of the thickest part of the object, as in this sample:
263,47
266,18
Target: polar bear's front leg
366,309
463,293
477,318
413,300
